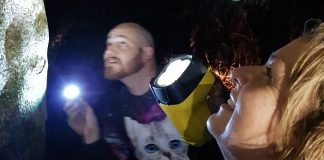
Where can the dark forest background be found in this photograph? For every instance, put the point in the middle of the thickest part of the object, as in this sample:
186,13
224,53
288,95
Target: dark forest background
217,29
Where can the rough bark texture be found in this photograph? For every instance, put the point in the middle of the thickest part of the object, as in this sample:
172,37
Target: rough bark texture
23,73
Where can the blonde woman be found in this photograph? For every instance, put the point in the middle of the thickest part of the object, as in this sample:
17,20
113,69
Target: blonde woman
276,110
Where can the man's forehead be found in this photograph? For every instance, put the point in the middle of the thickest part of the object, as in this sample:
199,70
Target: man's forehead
124,33
121,33
122,30
117,36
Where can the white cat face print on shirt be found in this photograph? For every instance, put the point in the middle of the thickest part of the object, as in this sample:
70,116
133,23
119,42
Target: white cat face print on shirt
158,140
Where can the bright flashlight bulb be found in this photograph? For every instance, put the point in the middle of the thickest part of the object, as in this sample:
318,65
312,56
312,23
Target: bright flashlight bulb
71,92
173,72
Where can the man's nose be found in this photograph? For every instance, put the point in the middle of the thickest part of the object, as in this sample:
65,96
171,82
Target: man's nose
109,51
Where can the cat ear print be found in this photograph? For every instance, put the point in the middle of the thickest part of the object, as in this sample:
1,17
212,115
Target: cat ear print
130,126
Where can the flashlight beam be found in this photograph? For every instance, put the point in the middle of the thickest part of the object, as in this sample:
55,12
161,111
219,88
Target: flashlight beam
71,92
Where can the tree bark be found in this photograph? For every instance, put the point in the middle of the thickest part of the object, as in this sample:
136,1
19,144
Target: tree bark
23,77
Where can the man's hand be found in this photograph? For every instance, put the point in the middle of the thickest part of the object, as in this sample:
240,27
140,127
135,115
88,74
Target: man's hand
82,120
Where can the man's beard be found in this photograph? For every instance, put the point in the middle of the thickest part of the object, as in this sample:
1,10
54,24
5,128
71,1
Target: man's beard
121,71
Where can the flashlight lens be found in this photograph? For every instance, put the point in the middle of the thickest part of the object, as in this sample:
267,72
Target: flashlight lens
71,92
173,72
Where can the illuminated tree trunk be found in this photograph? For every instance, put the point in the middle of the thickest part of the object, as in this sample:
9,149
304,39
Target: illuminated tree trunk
23,73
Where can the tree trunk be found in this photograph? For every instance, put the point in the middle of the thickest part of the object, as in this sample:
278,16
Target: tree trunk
23,73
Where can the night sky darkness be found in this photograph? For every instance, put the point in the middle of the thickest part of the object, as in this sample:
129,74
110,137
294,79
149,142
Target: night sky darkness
78,31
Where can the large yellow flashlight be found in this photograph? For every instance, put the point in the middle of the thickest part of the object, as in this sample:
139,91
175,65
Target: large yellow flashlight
181,89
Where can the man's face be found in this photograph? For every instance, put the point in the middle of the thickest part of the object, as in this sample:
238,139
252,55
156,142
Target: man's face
123,54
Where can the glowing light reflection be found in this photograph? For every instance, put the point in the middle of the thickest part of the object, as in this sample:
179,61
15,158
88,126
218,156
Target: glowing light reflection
71,92
173,72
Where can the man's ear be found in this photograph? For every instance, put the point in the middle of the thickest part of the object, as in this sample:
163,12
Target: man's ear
148,53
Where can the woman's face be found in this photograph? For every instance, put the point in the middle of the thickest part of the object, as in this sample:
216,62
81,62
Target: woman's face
247,129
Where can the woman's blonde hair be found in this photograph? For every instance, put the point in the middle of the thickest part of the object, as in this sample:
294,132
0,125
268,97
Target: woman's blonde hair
301,127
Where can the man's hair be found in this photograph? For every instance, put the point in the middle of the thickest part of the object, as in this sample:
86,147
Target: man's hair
143,33
301,125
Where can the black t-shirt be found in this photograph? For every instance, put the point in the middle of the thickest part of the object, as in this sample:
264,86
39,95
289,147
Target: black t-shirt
137,124
146,122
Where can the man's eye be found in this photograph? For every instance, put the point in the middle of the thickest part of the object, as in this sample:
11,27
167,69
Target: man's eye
122,43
